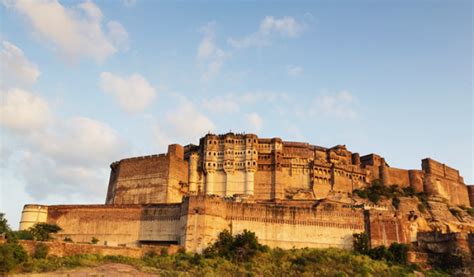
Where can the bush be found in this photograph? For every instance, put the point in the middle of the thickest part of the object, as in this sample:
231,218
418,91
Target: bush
377,190
68,239
41,251
409,191
43,231
11,254
240,248
396,202
421,208
25,235
399,253
361,243
470,211
94,240
380,253
4,227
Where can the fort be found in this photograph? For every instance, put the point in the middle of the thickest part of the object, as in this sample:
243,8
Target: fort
291,194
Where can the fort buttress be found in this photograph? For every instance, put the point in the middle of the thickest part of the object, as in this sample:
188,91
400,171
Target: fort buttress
291,194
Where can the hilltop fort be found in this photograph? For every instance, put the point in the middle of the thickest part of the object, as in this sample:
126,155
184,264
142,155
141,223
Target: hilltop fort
291,194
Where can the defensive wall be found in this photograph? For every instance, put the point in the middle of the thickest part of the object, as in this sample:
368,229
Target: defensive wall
196,222
285,192
149,179
63,249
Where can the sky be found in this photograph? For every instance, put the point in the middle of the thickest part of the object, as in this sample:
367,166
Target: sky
85,83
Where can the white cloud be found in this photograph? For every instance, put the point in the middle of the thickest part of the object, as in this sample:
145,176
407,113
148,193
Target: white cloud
16,69
294,71
270,27
23,111
221,104
118,35
133,93
286,26
254,122
339,105
188,121
209,55
70,158
52,156
77,31
183,124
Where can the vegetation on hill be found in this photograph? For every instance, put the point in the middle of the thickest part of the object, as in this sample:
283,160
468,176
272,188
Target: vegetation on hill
378,191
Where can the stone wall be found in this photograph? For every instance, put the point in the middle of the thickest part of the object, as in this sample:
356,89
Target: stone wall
285,226
385,228
196,222
441,180
149,179
129,225
62,249
470,190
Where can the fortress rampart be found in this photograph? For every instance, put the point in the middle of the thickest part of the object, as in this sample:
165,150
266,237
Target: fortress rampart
199,219
291,194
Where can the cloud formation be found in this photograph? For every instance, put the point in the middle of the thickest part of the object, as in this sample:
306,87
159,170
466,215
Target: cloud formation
338,105
221,104
209,55
70,158
52,156
183,124
23,111
16,69
270,28
254,122
77,31
133,93
294,71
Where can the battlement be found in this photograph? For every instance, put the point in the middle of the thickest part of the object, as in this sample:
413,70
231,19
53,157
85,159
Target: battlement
431,166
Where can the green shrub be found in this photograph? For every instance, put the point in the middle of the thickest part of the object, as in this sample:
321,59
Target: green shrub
361,243
409,191
41,251
43,231
240,248
396,202
4,227
94,240
380,253
11,255
470,211
399,253
68,239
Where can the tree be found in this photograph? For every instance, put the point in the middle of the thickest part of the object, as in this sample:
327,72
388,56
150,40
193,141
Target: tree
43,231
240,248
11,254
399,252
246,246
41,251
4,228
361,243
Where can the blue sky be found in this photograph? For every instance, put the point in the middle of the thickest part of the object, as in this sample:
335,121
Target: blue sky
86,83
